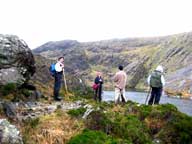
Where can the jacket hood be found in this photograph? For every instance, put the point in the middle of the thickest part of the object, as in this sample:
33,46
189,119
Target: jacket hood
159,68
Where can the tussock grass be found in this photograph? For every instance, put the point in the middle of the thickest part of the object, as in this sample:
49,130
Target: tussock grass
56,128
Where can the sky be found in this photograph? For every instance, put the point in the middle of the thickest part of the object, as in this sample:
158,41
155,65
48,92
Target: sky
40,21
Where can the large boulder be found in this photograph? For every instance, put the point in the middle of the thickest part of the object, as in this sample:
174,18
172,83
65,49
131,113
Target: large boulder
9,134
17,63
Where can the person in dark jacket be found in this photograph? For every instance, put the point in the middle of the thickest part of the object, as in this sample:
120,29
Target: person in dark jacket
59,66
156,81
98,91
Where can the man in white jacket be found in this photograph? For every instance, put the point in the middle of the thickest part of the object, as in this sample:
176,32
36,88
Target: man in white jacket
120,80
156,81
58,77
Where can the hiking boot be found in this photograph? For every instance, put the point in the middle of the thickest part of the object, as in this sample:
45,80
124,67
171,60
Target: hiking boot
57,98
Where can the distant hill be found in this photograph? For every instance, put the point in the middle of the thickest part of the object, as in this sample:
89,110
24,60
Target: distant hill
140,56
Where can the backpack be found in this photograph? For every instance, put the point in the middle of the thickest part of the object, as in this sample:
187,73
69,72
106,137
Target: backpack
52,69
155,80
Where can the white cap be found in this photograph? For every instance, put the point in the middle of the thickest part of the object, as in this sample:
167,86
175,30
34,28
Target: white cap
159,68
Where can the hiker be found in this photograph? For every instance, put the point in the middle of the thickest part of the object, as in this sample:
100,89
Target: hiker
156,81
59,66
98,87
120,80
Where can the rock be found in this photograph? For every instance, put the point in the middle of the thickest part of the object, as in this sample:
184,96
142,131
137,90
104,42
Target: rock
29,110
135,71
38,94
17,63
51,108
88,111
9,109
180,82
9,134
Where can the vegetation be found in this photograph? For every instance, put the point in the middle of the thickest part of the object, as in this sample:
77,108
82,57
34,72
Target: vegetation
139,124
55,128
10,92
77,112
108,123
7,89
94,137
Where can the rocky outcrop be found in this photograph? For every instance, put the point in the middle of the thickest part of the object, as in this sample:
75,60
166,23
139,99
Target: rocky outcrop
16,60
21,111
136,70
9,134
180,82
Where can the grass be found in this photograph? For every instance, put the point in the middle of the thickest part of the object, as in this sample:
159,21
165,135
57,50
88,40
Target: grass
77,112
94,137
8,89
55,128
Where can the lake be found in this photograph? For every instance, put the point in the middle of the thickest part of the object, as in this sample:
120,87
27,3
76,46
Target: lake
183,105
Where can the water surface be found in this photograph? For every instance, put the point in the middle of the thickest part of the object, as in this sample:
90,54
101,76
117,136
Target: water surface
183,105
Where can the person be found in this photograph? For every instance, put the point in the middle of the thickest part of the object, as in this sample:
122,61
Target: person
59,66
156,81
98,90
120,80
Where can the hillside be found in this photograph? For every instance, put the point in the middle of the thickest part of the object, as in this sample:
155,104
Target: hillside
29,115
139,56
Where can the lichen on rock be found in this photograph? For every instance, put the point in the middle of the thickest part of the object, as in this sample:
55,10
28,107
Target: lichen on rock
17,63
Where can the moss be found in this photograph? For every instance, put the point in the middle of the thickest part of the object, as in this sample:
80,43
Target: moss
178,130
127,127
26,92
8,89
94,137
97,120
130,128
144,111
77,112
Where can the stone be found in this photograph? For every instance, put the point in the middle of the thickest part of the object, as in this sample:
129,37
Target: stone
9,134
88,111
9,109
17,63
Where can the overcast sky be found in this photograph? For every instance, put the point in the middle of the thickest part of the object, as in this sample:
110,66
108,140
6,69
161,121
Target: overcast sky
39,21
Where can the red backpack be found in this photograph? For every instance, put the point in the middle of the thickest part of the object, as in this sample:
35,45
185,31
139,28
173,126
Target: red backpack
95,86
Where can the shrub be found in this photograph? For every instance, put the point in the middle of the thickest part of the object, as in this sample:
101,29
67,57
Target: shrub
94,137
178,130
77,112
8,88
130,128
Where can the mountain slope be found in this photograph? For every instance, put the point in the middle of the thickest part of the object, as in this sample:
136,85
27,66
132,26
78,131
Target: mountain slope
139,56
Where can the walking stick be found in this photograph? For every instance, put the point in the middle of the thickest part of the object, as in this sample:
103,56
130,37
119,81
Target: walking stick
147,95
65,81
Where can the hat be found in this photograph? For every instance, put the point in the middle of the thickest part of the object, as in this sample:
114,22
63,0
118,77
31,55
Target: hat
159,68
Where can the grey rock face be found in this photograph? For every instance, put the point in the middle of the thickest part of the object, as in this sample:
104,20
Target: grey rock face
10,109
9,134
17,64
23,111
